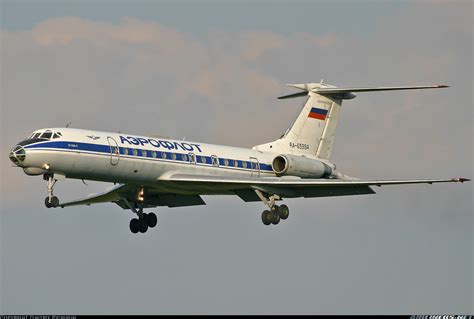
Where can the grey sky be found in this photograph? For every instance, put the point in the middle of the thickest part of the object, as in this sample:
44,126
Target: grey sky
211,72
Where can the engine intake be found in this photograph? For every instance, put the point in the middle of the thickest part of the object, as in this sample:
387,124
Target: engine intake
300,166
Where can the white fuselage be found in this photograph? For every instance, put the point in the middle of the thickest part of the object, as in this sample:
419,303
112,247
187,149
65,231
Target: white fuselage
125,158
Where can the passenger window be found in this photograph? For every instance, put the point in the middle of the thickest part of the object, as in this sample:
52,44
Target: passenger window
163,155
236,163
203,159
226,162
244,164
173,156
135,152
185,157
125,151
144,153
153,154
215,161
192,158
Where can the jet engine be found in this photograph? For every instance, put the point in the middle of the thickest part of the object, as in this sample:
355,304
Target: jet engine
300,166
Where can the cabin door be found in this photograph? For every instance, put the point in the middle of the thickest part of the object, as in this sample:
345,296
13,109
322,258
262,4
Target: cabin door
255,167
114,151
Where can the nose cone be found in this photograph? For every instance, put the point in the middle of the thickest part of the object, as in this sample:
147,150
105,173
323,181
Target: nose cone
17,155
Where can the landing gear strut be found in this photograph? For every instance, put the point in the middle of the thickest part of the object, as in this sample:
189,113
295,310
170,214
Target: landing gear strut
51,200
276,213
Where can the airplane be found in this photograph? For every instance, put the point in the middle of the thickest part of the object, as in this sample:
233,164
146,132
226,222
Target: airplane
149,171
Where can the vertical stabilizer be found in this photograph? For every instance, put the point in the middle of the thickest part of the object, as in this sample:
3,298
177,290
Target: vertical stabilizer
313,131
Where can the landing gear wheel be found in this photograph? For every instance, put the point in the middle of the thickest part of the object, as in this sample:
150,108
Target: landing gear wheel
275,218
266,217
134,225
54,202
143,227
283,211
47,203
151,219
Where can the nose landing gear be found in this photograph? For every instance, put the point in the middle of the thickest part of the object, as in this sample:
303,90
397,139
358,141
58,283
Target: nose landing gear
51,200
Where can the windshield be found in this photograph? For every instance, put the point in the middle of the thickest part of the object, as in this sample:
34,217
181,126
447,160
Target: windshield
47,134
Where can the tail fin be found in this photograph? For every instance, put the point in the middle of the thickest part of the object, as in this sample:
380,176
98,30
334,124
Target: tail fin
314,129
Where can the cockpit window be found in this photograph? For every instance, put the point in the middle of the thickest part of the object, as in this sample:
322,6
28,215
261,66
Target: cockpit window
55,135
37,135
47,134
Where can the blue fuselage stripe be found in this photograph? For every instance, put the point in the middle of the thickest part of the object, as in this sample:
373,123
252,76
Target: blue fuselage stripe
140,153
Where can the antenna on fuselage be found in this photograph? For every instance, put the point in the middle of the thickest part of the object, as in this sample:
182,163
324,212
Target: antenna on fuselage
67,125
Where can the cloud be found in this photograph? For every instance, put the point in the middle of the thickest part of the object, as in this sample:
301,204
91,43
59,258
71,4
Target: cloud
64,30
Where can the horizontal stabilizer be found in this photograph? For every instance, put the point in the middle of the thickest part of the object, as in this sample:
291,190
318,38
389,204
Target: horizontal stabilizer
290,96
348,93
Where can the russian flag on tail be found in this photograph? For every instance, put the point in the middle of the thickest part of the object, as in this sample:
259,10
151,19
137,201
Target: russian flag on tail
319,114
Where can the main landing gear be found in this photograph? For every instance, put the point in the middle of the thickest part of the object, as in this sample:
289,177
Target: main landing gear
51,200
276,213
144,221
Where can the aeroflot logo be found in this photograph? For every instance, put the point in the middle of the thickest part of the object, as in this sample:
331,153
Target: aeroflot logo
190,147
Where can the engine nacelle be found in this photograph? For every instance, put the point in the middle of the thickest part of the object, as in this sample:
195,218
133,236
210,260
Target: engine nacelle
300,166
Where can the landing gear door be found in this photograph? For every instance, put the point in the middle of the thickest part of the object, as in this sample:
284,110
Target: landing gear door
114,151
255,167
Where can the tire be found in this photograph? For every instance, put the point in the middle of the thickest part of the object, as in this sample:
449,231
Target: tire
134,225
283,211
275,218
47,203
266,217
151,220
143,227
54,201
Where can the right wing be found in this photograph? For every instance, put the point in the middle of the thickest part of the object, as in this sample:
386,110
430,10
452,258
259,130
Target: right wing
124,195
288,186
